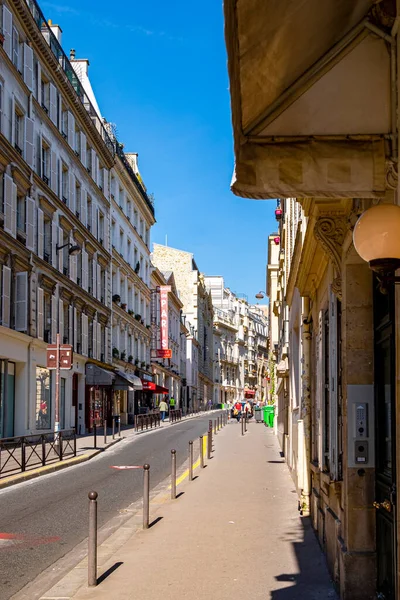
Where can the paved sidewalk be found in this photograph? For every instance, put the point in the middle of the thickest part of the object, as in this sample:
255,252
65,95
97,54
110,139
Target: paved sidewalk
235,534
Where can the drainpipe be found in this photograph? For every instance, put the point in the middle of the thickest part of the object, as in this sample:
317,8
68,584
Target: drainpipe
306,406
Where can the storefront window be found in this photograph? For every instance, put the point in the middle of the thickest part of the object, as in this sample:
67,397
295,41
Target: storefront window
43,398
7,398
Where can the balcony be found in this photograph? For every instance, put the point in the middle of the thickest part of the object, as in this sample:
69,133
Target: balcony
139,186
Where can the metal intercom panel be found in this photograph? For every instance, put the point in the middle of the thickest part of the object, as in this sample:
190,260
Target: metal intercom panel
360,425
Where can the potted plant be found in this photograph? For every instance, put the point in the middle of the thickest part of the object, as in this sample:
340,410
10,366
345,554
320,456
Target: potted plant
277,240
278,213
115,353
123,355
123,306
136,361
138,317
130,312
148,326
147,366
116,298
130,358
143,364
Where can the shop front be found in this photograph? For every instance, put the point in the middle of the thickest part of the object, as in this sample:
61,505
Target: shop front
155,391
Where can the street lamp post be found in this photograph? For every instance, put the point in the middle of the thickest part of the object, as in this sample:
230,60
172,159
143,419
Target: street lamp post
261,295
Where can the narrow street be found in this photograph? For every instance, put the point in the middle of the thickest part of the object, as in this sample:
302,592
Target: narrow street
56,505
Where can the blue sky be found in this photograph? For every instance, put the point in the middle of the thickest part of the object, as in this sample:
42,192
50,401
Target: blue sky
158,70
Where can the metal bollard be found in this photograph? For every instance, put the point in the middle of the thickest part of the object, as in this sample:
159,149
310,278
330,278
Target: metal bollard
201,453
190,461
105,431
119,426
95,434
92,540
173,474
245,422
146,496
210,424
209,443
113,428
242,422
215,427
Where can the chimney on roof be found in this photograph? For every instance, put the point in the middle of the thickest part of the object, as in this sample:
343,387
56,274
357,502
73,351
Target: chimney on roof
56,29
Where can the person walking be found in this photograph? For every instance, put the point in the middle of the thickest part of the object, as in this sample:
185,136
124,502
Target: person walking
172,403
237,411
163,409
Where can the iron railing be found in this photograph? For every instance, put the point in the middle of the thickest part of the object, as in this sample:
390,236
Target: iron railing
21,453
134,177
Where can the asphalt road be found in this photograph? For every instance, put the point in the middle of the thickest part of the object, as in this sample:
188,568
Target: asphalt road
56,505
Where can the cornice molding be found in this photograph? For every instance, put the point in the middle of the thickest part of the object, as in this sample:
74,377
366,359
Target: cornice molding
330,232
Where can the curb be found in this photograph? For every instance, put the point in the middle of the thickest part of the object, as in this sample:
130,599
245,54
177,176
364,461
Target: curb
52,468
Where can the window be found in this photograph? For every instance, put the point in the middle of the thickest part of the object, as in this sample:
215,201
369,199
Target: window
129,251
103,285
128,209
66,339
77,142
18,130
62,402
79,268
45,162
43,398
2,192
88,159
89,212
64,183
21,213
78,206
47,238
91,289
15,49
1,105
66,257
45,95
121,242
90,338
47,318
64,123
101,227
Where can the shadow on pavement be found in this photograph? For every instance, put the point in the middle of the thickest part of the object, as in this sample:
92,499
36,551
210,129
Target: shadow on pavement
108,572
312,581
155,522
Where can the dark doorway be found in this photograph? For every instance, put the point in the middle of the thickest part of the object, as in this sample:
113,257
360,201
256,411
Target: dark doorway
385,411
75,399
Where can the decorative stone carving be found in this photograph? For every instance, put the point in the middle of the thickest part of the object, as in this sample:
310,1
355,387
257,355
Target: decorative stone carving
391,175
330,231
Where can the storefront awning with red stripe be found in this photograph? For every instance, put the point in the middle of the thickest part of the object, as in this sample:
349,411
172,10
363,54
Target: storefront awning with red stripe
150,386
249,393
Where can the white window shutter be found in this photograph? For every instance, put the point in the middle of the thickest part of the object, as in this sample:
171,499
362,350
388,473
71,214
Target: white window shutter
84,335
54,319
84,207
7,31
71,195
15,44
30,223
12,121
53,174
98,341
40,313
107,233
95,211
99,282
93,283
71,130
61,320
40,232
107,345
94,163
320,390
38,161
71,310
94,340
83,149
105,183
54,242
28,66
5,316
61,252
38,83
75,325
59,189
333,386
29,129
84,270
53,104
10,206
21,301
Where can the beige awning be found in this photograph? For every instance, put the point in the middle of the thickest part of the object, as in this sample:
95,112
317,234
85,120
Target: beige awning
311,97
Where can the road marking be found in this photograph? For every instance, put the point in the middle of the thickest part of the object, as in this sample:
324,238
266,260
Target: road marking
123,467
195,465
16,541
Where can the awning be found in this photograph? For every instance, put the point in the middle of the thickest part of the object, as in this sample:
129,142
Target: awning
249,393
311,96
132,379
97,376
150,386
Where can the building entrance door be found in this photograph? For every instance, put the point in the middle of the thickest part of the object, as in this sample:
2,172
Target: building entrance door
385,423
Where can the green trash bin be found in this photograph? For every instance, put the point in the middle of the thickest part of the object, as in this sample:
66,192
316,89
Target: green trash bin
269,413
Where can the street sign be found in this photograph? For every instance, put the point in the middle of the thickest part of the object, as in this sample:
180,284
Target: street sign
167,353
124,467
66,355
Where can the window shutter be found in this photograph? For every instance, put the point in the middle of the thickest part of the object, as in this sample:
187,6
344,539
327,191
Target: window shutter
40,232
12,121
94,340
94,165
72,266
105,183
29,128
30,223
5,317
10,206
71,195
319,390
93,283
95,211
53,103
84,335
53,174
40,313
38,161
75,330
38,83
71,130
99,283
83,149
61,252
84,270
54,320
333,386
98,341
107,233
59,189
84,207
15,49
71,310
61,320
107,345
7,31
28,66
54,242
21,301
